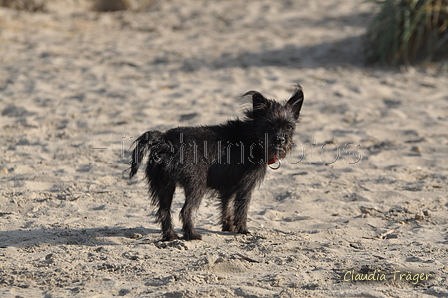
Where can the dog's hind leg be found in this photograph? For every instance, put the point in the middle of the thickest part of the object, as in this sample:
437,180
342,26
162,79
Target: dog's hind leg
193,199
163,197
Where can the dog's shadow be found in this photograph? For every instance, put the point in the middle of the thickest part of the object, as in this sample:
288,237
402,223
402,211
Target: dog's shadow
88,237
68,236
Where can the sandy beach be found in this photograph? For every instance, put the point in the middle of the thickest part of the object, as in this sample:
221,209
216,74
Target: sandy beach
363,196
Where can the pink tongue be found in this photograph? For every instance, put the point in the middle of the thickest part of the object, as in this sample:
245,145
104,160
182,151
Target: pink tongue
272,161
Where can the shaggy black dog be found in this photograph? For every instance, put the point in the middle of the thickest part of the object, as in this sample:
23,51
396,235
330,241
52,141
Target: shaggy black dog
228,159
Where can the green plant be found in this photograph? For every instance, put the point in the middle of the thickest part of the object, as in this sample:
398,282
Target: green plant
408,31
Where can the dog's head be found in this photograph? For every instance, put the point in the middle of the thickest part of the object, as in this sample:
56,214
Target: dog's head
275,122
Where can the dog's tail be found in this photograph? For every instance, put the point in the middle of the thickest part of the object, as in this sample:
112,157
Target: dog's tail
142,144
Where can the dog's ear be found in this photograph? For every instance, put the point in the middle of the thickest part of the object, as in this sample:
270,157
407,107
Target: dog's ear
296,101
259,102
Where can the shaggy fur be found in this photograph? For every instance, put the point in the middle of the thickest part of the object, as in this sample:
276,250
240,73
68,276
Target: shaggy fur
228,159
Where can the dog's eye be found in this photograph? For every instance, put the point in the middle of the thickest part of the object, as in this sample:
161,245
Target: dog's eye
289,126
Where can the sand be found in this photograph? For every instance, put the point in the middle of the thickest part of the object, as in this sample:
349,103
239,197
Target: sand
363,196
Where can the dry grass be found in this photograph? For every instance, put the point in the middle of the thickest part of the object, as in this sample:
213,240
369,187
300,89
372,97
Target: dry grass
407,32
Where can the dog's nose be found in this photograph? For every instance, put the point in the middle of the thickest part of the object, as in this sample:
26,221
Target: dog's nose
281,140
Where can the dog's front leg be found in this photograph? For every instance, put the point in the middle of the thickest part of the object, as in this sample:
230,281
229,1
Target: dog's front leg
242,201
227,213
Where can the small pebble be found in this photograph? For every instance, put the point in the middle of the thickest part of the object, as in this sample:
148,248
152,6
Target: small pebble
391,236
419,216
136,236
416,149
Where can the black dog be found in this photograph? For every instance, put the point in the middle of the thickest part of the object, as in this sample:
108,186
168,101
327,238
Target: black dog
228,160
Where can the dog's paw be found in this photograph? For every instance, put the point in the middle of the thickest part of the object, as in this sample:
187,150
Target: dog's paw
228,228
192,236
243,231
170,237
